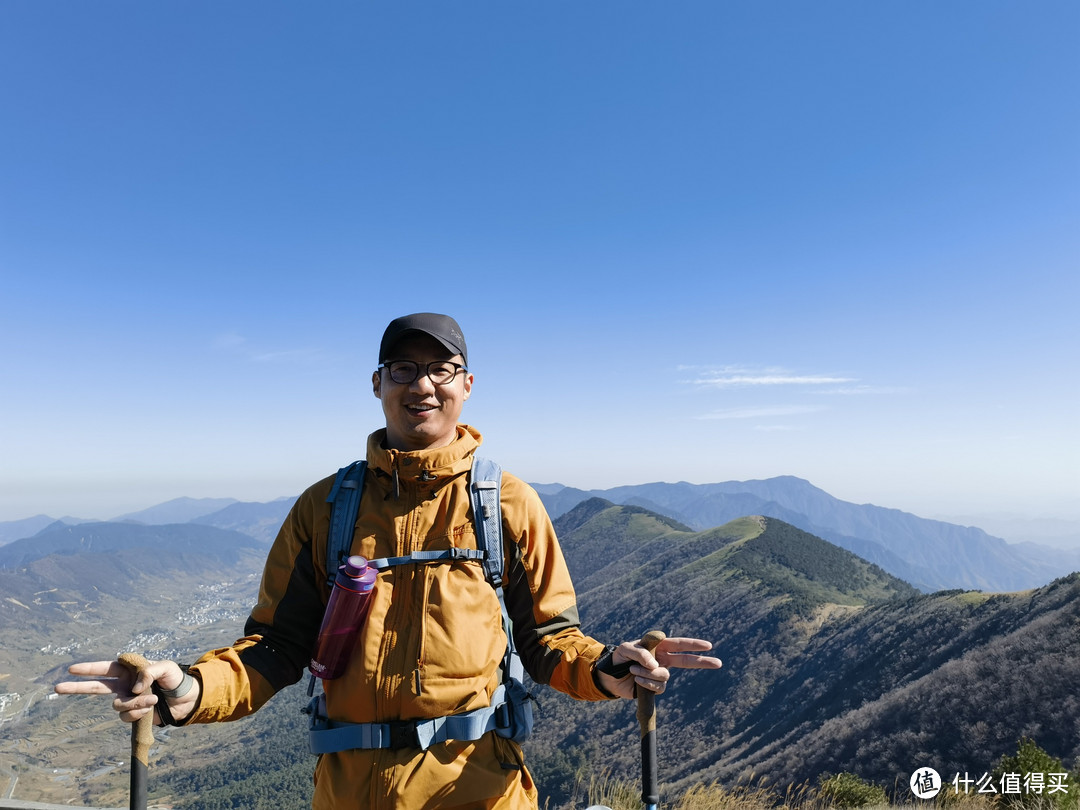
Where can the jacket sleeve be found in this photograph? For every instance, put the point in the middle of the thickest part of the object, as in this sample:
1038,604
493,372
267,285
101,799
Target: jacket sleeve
281,631
541,600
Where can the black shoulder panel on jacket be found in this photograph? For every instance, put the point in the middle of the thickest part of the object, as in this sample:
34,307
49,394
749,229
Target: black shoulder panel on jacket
287,644
539,661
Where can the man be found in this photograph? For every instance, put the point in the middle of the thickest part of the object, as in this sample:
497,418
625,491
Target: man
433,643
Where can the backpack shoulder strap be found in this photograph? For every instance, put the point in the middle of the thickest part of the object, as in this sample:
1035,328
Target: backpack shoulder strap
344,498
484,485
485,481
484,489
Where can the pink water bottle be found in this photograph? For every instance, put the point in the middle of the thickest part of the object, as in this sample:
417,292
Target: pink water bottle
350,601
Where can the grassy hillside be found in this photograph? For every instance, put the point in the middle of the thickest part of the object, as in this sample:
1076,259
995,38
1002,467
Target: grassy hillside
759,588
830,664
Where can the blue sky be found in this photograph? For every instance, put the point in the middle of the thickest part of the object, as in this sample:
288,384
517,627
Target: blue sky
696,241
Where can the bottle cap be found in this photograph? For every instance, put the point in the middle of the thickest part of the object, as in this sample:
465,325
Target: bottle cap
357,575
355,566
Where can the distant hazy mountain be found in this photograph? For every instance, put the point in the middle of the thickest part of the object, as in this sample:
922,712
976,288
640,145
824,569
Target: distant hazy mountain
1055,532
162,542
178,510
27,527
259,520
930,554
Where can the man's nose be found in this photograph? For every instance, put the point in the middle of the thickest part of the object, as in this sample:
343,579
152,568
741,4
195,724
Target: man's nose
422,382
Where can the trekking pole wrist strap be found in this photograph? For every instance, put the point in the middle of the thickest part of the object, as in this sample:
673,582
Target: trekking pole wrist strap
179,691
164,711
606,664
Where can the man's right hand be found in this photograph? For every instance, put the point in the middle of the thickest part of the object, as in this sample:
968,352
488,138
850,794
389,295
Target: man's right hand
133,696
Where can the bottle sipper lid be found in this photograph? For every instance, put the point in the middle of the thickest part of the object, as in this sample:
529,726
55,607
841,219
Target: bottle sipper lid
356,574
355,565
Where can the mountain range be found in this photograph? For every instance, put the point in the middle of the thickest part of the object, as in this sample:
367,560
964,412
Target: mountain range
830,663
929,554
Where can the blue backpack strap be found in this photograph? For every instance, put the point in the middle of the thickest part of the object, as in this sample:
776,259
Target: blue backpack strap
344,498
449,555
485,488
327,736
513,708
485,483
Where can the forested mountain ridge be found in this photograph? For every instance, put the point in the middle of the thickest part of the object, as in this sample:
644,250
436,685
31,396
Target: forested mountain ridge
829,663
954,677
618,548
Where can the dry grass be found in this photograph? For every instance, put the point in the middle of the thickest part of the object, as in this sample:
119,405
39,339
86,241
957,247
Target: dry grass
744,797
621,795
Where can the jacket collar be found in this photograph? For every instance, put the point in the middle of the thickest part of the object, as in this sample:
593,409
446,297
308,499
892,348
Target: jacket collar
454,458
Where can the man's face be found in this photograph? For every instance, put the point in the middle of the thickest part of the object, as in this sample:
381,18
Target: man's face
421,415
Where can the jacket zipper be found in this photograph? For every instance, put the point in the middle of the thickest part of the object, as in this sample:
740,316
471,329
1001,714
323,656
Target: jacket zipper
394,665
421,645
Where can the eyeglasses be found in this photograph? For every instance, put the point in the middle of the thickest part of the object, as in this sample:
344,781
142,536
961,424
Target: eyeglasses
440,372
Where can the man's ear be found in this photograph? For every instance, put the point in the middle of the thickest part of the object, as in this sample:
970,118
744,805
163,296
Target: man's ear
376,384
468,386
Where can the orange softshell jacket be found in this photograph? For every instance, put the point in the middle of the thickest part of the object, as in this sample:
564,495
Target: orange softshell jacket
433,643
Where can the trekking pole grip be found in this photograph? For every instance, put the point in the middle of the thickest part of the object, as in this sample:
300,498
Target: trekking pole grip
646,715
142,737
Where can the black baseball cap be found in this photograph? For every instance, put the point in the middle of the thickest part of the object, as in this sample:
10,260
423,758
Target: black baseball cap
441,327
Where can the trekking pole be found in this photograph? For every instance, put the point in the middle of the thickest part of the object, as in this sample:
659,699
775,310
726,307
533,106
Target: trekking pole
142,737
646,716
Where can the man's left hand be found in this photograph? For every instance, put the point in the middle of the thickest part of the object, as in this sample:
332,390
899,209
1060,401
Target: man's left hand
652,670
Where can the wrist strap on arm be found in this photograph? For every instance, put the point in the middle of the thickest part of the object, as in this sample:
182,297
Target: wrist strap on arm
606,664
163,709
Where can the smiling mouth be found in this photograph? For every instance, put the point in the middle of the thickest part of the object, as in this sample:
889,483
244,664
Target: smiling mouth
420,408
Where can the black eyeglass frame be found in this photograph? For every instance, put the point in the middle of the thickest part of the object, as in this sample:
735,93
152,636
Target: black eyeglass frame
458,368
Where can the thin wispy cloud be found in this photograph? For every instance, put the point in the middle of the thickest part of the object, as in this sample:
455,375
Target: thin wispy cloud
862,390
760,413
740,378
745,379
283,356
239,345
